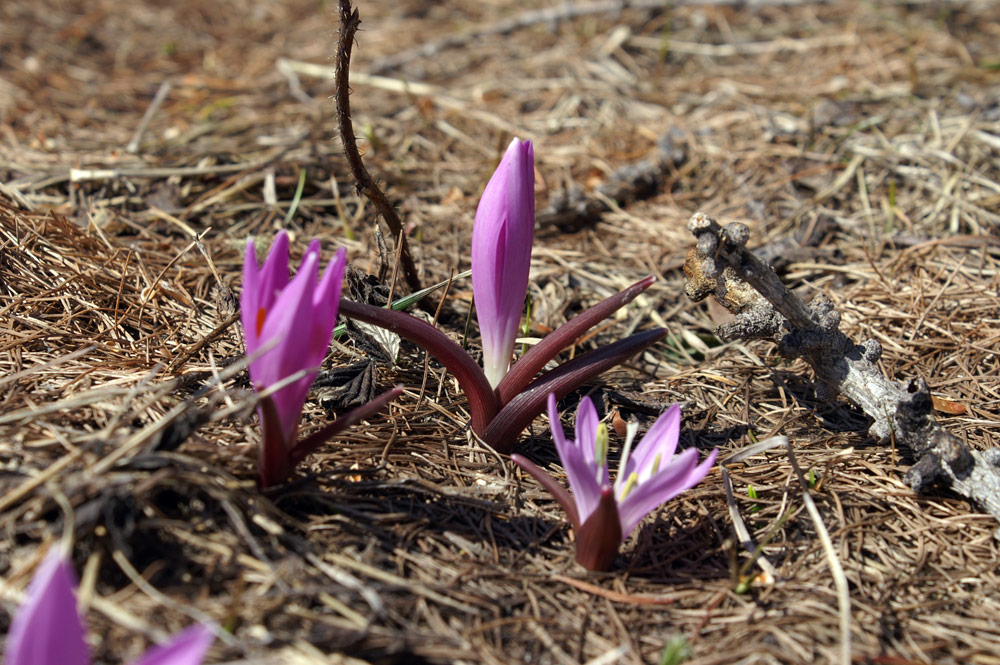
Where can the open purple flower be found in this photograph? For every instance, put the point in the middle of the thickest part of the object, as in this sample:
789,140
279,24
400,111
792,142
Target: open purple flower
501,255
287,326
47,629
604,514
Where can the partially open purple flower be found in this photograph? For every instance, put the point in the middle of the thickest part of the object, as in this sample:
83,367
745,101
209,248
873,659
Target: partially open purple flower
501,255
48,631
604,514
290,323
296,318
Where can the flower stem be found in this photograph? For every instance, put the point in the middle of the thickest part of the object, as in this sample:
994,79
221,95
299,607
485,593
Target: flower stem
599,538
273,465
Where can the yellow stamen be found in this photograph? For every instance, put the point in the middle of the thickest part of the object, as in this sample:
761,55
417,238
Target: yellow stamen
261,315
633,480
656,464
601,444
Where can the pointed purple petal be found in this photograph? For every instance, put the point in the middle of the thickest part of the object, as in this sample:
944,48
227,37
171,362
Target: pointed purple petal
261,287
186,648
661,439
274,272
326,300
313,248
582,476
555,424
586,429
679,475
289,324
293,303
586,490
47,629
250,297
501,255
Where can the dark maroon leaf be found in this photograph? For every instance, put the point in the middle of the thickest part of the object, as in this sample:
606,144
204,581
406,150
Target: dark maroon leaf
309,444
532,362
502,432
555,488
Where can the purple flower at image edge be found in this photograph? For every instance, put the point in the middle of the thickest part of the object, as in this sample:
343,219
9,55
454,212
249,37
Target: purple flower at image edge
501,255
47,630
604,514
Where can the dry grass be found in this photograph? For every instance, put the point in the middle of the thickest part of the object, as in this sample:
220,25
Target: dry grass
877,126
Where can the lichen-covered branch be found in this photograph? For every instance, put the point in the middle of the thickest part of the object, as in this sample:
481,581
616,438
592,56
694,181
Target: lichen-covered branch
720,265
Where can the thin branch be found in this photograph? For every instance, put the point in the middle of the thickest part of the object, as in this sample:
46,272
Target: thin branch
147,117
349,22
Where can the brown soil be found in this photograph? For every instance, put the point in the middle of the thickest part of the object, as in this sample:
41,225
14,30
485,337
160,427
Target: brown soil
869,132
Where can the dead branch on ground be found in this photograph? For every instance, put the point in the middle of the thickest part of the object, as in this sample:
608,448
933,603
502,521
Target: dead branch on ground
574,208
720,265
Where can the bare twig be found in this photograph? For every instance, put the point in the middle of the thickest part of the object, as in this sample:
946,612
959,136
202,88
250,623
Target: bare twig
158,98
349,22
86,175
720,265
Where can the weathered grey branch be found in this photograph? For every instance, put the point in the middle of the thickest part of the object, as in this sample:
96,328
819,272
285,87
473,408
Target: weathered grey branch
720,265
574,207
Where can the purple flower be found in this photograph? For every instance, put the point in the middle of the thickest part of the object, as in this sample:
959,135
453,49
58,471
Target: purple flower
602,513
289,323
501,255
47,629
